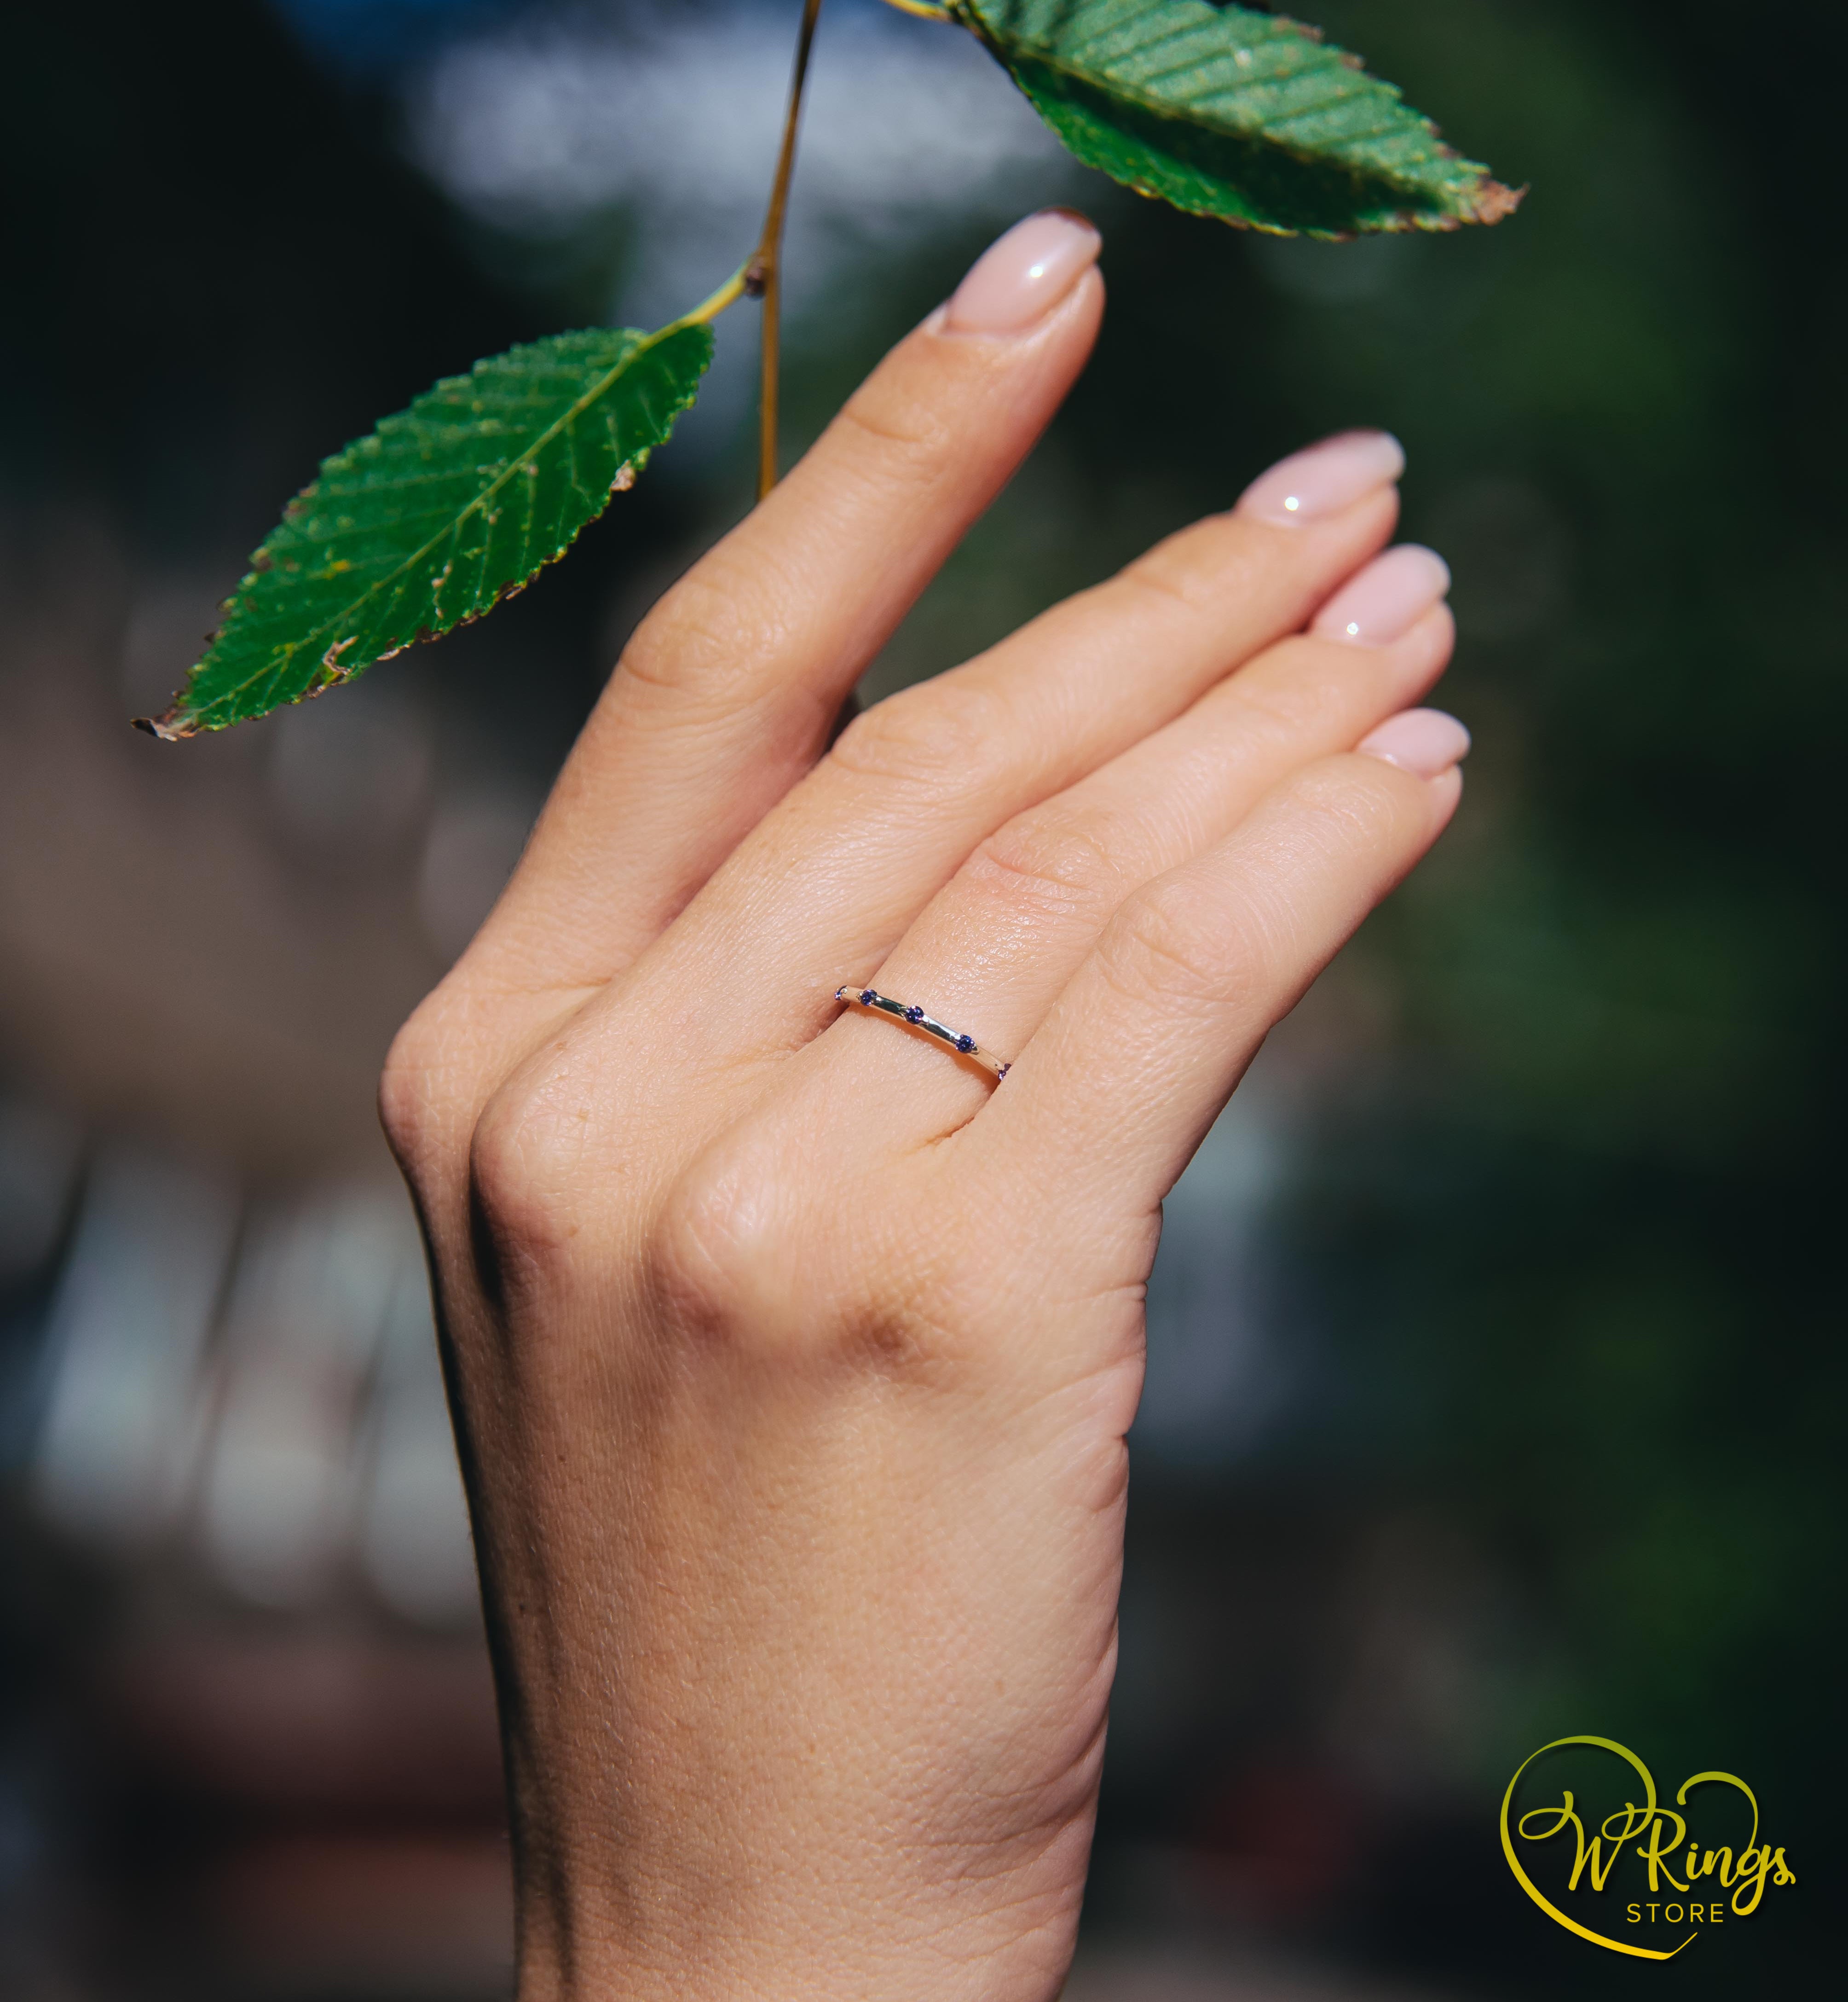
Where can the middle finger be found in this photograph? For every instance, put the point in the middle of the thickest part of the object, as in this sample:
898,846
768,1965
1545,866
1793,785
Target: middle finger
835,876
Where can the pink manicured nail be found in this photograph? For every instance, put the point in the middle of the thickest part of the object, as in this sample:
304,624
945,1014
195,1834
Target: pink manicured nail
1325,478
1425,741
1387,599
1020,278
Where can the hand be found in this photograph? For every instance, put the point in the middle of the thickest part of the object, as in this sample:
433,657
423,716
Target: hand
792,1356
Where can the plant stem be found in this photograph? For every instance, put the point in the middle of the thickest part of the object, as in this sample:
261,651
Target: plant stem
925,10
728,294
763,275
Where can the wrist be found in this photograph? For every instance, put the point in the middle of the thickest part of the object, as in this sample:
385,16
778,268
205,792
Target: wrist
785,1937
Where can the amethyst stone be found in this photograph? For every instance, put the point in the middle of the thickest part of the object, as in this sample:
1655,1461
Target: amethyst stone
914,1014
965,1044
867,996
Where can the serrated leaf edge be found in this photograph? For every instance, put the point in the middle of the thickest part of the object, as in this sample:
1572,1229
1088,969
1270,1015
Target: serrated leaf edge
176,723
1493,199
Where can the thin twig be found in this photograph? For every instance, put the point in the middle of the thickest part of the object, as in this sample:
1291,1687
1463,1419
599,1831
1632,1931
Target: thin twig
763,275
925,10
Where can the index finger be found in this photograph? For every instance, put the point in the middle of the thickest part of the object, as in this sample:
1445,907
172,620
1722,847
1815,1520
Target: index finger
726,694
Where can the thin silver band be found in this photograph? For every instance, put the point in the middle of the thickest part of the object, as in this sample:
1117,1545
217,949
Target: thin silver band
855,996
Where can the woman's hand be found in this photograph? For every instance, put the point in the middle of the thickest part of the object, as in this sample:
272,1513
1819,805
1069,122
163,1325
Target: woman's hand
792,1356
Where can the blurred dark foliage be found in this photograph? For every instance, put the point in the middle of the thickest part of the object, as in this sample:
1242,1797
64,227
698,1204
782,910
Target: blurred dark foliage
1577,1242
229,266
229,270
1563,1228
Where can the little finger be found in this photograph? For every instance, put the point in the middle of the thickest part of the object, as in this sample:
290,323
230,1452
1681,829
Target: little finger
1138,1056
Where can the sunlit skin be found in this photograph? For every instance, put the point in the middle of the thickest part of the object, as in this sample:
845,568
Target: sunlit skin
793,1353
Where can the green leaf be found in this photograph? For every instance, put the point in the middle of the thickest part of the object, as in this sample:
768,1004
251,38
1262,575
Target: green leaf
445,509
1226,111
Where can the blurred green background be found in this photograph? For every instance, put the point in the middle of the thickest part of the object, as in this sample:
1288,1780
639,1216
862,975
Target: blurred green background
1522,1375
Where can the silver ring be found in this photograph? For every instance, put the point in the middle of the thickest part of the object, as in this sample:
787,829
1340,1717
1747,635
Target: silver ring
855,996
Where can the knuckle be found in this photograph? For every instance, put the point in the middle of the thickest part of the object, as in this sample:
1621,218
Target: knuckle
1197,567
1348,804
1169,946
513,1182
939,741
1043,864
428,1086
538,1160
906,431
1287,692
1162,579
737,1269
715,1251
694,638
407,1106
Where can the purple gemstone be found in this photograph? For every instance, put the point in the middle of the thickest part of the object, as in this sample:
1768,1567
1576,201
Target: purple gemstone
914,1014
867,996
965,1044
1003,1071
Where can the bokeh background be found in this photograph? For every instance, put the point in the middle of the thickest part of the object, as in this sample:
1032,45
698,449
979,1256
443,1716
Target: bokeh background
1496,1378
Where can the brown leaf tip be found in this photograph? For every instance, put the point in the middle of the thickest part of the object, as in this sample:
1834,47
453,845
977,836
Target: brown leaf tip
165,727
1494,201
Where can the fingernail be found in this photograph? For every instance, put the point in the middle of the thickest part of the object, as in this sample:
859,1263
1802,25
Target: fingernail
1387,599
1425,741
1019,278
1325,478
